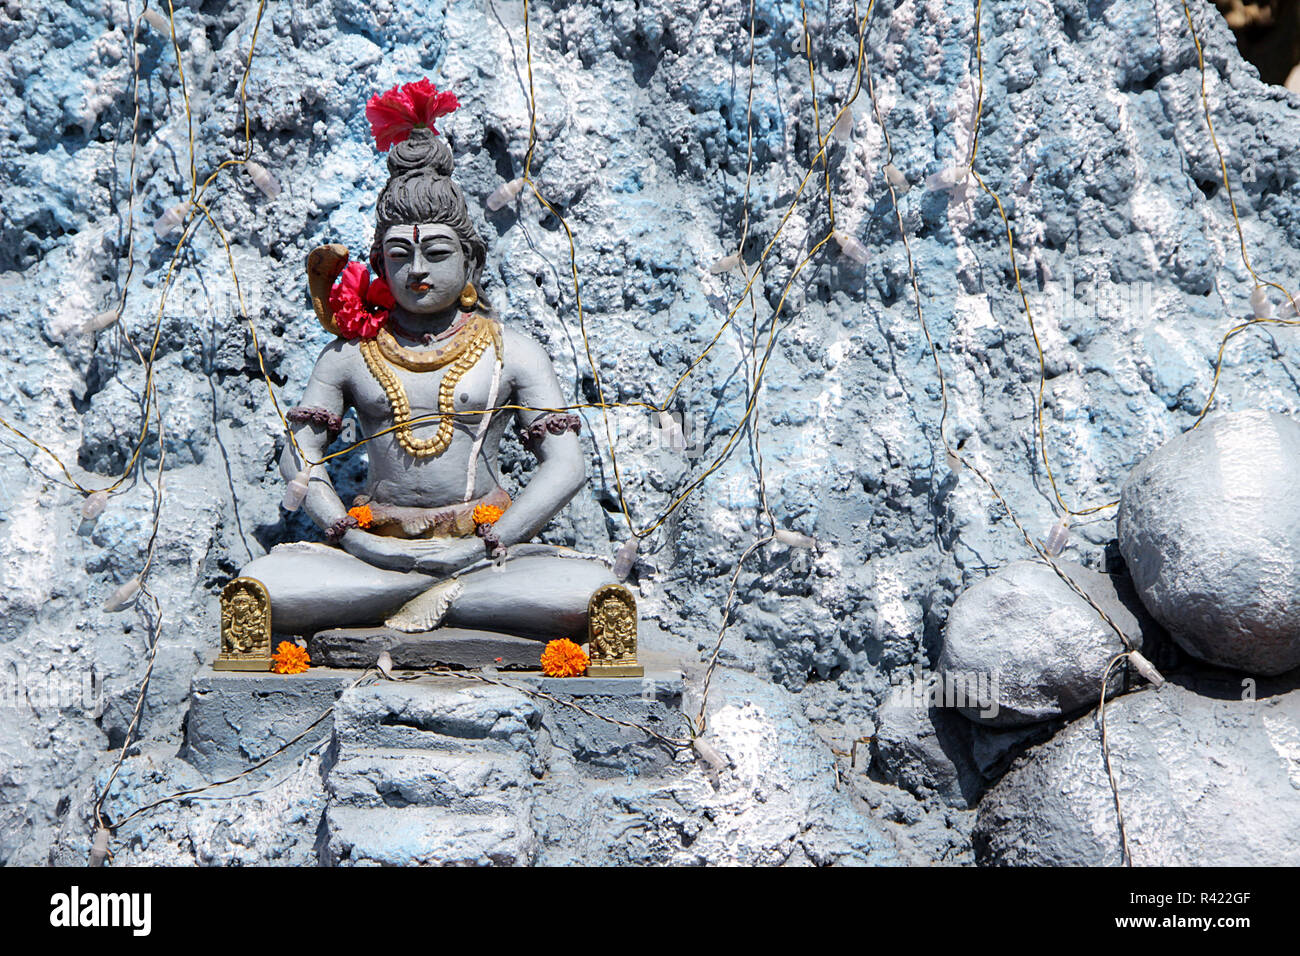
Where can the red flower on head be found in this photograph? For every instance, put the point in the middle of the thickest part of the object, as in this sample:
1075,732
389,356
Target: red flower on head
428,103
360,305
394,114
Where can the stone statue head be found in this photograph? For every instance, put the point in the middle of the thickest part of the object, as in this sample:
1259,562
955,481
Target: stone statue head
425,245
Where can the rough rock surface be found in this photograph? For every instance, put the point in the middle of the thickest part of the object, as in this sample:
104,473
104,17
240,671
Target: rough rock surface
449,771
1202,782
1092,134
778,802
935,752
1021,647
926,751
1209,525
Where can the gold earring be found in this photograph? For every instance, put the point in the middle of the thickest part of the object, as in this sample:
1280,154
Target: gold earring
468,296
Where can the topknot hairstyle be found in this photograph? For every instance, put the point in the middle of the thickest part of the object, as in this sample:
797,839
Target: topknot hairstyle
420,189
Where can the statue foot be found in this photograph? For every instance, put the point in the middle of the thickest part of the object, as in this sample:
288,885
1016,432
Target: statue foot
426,611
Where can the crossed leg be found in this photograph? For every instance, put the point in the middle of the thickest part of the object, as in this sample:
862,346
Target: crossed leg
539,592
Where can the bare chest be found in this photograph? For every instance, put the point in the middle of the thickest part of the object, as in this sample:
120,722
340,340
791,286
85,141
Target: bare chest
382,391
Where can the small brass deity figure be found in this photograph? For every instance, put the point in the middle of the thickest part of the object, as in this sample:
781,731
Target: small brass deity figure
245,627
423,361
611,632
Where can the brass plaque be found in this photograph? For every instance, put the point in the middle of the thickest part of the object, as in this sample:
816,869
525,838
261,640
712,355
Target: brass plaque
611,633
245,627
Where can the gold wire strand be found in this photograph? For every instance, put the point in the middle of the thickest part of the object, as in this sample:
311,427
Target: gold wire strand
751,358
189,118
817,123
1236,220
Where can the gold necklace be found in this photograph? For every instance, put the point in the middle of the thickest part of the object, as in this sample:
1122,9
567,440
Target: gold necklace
463,354
427,360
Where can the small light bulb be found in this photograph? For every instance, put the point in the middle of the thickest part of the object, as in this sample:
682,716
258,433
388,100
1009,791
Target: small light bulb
714,762
1058,539
672,431
296,490
725,264
626,557
852,248
1146,669
843,128
794,539
94,505
170,221
99,847
1260,304
123,595
262,179
504,194
158,22
954,463
99,322
896,178
948,179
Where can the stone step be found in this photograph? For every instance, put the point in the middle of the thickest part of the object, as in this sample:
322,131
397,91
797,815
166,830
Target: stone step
237,718
474,781
447,646
436,713
426,836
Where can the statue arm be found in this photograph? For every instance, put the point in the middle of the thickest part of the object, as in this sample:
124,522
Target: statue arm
325,389
562,471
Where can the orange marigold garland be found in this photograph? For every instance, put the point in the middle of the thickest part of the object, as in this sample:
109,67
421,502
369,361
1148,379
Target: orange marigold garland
563,658
487,514
290,659
365,517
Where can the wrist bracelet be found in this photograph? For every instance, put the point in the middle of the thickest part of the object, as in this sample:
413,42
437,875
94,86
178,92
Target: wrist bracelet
491,541
339,528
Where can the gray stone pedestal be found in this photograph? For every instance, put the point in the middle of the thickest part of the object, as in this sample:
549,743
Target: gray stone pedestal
237,718
445,647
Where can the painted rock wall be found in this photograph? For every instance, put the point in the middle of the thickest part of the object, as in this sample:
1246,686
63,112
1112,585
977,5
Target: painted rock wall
1092,134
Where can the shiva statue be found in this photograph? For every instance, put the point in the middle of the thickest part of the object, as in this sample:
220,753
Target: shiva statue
434,378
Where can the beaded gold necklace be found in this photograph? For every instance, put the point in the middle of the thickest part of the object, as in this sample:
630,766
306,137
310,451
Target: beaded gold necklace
461,354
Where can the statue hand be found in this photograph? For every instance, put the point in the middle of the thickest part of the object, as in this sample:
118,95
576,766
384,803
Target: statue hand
389,553
435,556
443,556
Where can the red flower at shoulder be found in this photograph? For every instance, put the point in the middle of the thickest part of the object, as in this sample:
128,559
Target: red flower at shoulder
360,305
395,113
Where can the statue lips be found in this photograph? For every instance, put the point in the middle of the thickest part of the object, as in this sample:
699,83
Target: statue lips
419,286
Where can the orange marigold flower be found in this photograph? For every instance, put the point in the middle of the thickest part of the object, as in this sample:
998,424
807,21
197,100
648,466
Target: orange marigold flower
365,517
563,658
487,514
290,659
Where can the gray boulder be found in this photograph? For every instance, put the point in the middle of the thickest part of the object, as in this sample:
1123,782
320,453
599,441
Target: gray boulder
926,751
1202,782
1209,525
1020,647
